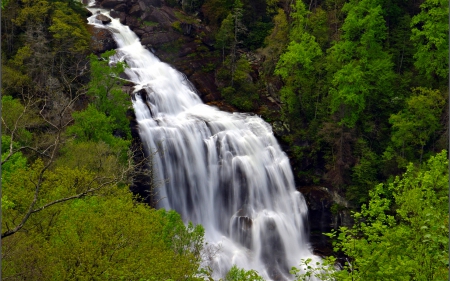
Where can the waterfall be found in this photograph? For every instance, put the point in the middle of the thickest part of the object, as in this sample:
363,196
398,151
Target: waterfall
223,170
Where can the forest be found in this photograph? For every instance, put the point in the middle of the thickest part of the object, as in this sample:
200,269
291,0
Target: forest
358,89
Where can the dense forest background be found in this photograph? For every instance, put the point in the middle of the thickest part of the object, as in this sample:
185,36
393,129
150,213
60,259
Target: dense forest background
356,90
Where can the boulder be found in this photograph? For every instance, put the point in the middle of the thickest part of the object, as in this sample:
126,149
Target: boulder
104,19
132,22
150,28
159,16
139,32
143,5
121,8
123,18
102,41
136,11
114,14
111,3
146,16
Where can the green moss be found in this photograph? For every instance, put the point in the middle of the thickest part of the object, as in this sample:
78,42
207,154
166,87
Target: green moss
177,26
150,23
185,18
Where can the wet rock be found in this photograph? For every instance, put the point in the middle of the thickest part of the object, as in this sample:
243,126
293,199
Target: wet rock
123,18
88,13
114,14
327,210
104,19
102,41
111,3
139,32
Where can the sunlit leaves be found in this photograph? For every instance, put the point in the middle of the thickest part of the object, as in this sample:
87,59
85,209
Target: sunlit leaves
240,274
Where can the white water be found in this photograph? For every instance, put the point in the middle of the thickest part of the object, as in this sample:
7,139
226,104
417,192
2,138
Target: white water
224,171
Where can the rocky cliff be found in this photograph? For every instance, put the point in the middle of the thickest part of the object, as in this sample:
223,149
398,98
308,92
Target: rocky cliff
172,35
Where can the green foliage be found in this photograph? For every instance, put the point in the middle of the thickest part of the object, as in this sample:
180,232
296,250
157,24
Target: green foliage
243,93
215,11
240,274
93,125
364,173
105,87
177,26
363,74
297,66
33,12
225,35
275,42
68,29
15,120
172,3
258,31
430,37
309,271
413,126
105,237
402,233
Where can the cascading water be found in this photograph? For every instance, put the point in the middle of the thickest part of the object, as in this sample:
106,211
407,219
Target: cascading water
222,170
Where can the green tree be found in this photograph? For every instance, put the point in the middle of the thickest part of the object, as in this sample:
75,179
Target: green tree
276,42
297,65
240,274
224,36
105,87
417,123
430,37
402,233
105,237
363,76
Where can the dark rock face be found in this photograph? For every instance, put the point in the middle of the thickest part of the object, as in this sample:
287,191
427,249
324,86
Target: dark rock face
136,11
171,39
143,172
326,211
161,17
132,22
121,8
111,3
159,39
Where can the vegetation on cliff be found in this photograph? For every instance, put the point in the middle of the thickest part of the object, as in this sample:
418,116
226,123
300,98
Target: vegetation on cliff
67,212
